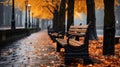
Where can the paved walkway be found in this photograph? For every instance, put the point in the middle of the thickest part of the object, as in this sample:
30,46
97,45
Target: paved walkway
36,50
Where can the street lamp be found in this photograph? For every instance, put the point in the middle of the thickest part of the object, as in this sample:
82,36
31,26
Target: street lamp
13,16
117,24
26,4
29,8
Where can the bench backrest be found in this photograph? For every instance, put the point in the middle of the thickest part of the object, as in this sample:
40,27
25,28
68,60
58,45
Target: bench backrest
78,30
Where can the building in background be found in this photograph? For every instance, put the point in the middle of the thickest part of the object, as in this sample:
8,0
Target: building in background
1,13
6,16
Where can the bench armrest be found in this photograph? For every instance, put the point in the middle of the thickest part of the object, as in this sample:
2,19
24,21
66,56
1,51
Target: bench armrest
60,34
70,36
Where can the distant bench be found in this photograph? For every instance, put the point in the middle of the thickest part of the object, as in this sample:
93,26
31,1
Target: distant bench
55,34
73,47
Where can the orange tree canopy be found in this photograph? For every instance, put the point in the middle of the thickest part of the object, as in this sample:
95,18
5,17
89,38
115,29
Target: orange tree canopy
40,10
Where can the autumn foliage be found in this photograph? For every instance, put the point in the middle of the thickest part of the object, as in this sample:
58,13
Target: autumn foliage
40,11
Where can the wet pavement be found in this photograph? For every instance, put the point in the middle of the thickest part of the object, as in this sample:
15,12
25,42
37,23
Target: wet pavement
36,50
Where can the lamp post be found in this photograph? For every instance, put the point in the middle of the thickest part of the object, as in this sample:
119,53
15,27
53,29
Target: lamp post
13,16
29,8
32,20
26,4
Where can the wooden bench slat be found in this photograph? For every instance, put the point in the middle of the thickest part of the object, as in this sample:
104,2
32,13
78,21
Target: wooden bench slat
77,34
82,26
78,30
56,34
73,42
63,42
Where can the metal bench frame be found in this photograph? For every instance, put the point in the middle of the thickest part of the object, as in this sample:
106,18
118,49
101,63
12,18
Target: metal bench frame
72,52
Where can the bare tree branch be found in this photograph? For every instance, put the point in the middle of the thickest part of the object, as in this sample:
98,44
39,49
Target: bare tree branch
55,5
48,9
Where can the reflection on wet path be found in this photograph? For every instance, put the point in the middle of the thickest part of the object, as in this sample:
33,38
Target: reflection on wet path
36,50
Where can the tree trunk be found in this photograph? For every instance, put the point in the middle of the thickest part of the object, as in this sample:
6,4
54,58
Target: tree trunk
62,16
70,19
109,27
91,19
55,19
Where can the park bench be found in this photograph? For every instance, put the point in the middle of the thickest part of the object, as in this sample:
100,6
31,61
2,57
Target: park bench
76,31
73,47
54,34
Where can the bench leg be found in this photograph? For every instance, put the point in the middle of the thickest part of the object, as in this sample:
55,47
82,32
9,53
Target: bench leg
58,47
67,61
85,61
88,61
77,58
